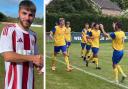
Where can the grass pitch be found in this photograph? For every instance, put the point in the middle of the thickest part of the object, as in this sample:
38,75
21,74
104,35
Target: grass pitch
83,77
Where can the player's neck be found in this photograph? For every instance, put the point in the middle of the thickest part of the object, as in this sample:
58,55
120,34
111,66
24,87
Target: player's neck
96,29
61,26
119,30
86,28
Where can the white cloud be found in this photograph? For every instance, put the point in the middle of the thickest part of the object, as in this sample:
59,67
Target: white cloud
47,1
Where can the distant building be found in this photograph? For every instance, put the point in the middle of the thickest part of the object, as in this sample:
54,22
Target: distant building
108,7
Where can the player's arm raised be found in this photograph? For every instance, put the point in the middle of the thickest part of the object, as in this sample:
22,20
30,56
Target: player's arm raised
102,29
51,35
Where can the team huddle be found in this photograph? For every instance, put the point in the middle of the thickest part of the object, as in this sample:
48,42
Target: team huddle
90,43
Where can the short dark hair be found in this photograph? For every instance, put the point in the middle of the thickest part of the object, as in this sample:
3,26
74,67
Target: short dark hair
95,24
119,24
27,4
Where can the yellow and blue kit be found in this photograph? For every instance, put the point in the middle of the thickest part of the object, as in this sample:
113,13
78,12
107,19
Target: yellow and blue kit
95,41
117,45
88,44
59,38
83,40
68,36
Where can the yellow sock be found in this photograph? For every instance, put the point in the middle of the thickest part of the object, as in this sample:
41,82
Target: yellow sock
120,70
54,61
86,53
82,52
89,54
116,73
96,61
67,61
91,58
68,50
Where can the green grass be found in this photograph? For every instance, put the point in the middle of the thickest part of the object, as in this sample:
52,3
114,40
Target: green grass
60,79
38,78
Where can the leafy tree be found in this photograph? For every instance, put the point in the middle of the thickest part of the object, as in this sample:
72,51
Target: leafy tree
71,6
2,17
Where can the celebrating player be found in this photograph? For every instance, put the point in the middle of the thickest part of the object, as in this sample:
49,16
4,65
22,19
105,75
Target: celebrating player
58,34
118,45
94,36
88,44
68,36
83,40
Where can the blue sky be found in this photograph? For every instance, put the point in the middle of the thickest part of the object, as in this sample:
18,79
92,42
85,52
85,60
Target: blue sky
10,7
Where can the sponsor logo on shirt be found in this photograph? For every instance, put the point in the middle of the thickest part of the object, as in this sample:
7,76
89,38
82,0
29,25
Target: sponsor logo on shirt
19,40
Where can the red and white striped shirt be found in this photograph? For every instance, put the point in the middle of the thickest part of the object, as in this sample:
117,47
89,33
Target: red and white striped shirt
14,38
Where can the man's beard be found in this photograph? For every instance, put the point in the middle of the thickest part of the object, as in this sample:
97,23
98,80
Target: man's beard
24,25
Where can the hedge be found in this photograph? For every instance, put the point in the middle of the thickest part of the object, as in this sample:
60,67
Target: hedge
78,20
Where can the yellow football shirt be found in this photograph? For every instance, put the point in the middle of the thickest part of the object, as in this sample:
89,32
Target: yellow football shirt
59,35
118,40
68,34
95,34
88,41
83,38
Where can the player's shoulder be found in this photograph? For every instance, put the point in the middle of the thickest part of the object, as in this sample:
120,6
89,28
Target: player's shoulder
119,33
83,30
89,29
56,27
92,30
69,28
123,33
8,29
99,31
9,26
32,32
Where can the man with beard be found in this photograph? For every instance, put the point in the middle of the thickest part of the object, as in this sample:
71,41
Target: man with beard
19,49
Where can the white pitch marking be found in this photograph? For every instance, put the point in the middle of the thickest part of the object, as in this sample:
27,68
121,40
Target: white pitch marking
89,73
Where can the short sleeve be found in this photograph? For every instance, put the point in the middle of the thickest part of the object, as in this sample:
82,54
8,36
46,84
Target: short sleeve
112,35
53,29
6,40
89,33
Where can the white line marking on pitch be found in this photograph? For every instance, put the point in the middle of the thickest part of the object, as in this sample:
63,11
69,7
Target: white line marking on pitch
92,74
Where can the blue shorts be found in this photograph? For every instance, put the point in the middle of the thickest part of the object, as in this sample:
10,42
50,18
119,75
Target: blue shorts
95,50
88,47
68,44
117,56
83,45
58,48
